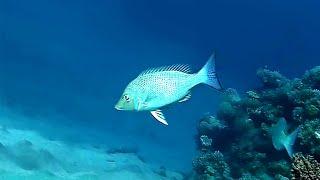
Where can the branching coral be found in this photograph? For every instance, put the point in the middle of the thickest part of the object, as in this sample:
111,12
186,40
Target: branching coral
312,77
210,123
298,114
271,79
231,95
211,165
309,137
248,160
206,142
247,176
281,167
305,167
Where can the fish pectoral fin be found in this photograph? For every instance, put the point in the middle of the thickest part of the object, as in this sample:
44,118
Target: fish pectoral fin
185,98
158,115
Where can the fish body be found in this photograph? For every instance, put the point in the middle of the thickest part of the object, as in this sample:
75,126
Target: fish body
159,87
280,139
162,88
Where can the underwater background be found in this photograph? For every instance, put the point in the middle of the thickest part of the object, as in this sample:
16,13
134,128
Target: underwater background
64,65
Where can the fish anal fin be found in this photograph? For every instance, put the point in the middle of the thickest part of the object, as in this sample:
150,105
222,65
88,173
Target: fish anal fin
158,115
185,98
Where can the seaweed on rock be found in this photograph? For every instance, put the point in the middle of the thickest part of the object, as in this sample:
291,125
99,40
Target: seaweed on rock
241,128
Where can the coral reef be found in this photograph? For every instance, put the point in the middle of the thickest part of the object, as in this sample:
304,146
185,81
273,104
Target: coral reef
211,165
241,129
271,79
305,167
210,123
206,142
312,77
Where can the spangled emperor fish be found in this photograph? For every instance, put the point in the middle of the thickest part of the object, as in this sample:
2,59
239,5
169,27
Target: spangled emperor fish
159,87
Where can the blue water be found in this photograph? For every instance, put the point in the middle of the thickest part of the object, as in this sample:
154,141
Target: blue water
66,63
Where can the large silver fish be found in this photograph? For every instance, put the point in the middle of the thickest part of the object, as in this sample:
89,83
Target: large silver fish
159,87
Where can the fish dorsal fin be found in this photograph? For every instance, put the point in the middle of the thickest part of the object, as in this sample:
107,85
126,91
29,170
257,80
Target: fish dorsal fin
185,98
178,67
158,115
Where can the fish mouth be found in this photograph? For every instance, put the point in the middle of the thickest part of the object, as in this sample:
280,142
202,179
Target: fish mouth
118,108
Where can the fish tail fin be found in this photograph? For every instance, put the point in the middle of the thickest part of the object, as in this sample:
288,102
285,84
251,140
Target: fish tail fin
208,74
290,140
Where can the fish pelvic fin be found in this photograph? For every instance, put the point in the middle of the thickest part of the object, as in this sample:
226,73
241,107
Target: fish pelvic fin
158,115
208,74
290,140
185,98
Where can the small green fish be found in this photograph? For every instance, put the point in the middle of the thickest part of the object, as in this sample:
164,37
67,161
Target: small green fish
280,138
159,87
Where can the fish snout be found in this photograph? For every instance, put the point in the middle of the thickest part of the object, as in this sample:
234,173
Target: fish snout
118,107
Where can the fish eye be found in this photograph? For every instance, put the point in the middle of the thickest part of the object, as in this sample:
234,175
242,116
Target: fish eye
126,97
